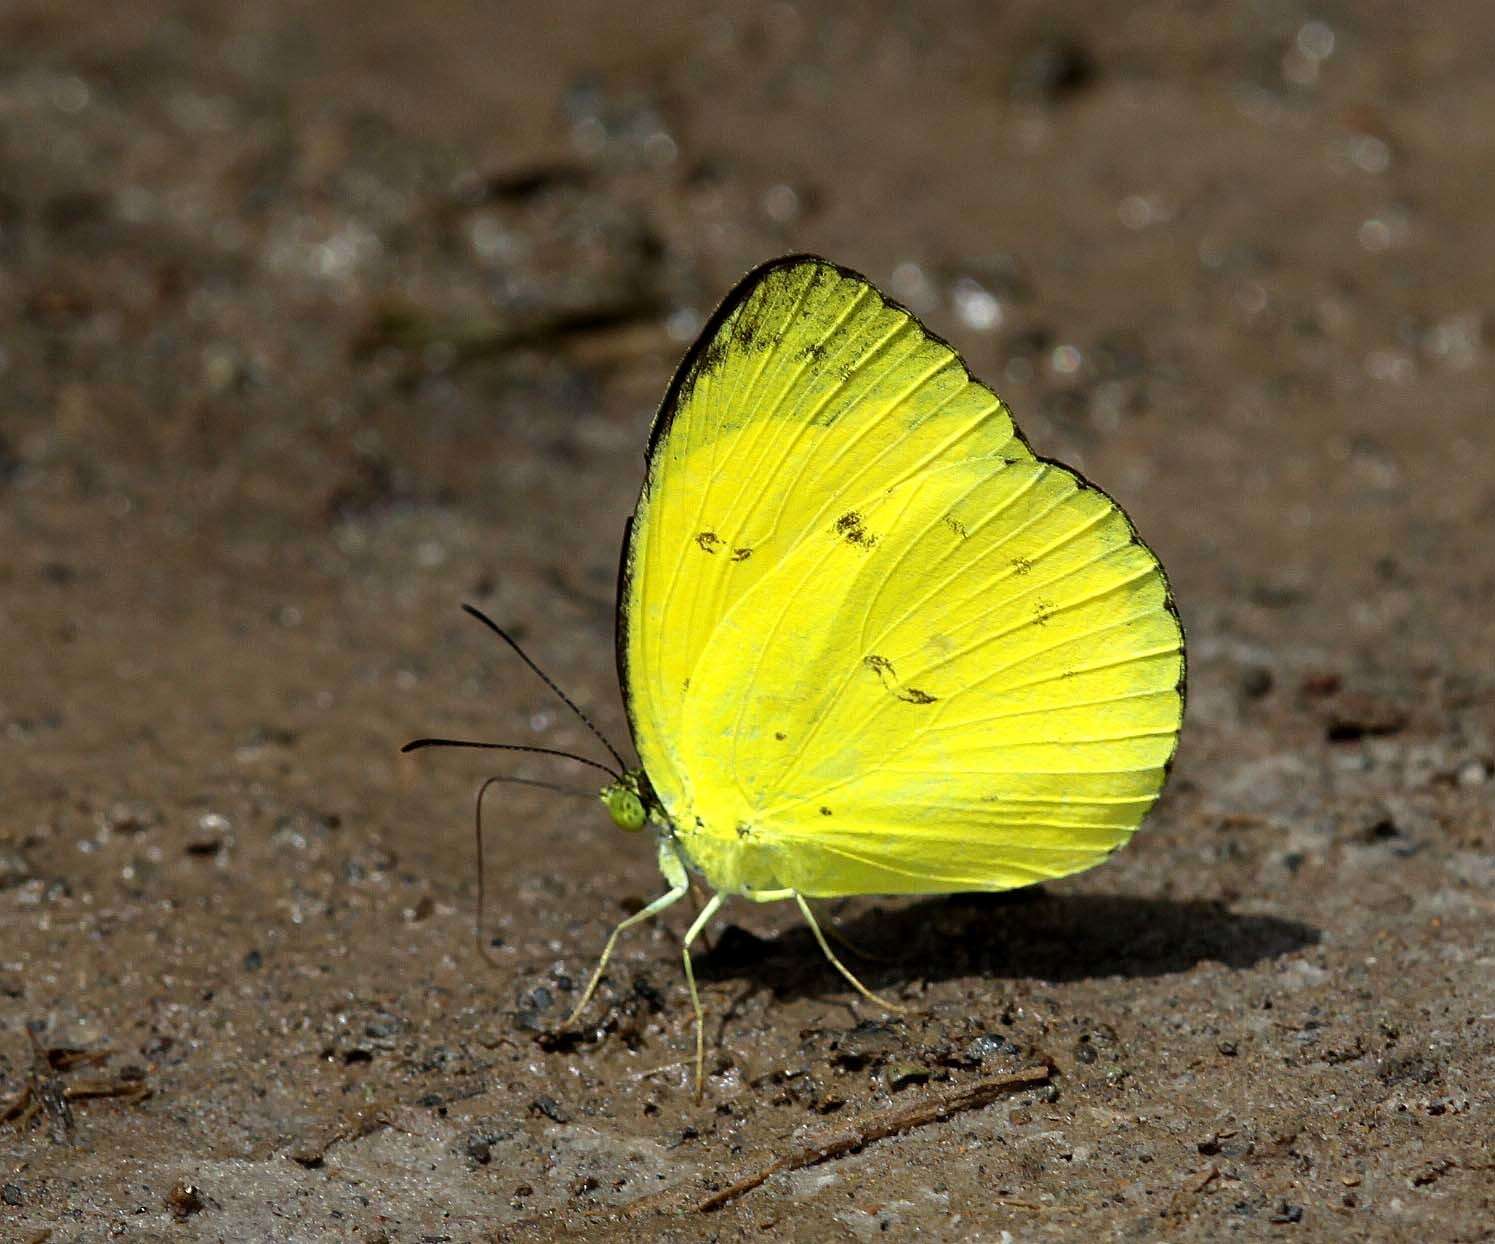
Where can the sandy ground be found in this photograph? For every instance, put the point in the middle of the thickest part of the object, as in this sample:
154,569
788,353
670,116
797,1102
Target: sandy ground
317,320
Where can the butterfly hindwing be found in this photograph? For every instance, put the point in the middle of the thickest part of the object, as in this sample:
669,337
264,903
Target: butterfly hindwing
969,702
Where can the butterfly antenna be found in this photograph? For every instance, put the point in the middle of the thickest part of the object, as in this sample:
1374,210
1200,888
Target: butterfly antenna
416,745
546,679
477,837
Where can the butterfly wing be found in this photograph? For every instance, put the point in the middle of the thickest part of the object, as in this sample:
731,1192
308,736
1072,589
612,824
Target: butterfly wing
869,643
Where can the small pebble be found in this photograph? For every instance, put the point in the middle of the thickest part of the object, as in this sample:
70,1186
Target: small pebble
900,1075
184,1200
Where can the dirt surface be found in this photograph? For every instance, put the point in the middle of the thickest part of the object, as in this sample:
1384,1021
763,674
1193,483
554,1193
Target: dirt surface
317,320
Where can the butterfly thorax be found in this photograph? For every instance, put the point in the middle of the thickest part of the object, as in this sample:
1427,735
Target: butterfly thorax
728,863
734,859
733,862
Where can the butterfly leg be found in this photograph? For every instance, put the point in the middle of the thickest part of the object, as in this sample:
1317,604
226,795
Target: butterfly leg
713,905
675,874
836,935
838,965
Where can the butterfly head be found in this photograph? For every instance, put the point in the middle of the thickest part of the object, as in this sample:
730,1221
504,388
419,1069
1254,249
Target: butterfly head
625,802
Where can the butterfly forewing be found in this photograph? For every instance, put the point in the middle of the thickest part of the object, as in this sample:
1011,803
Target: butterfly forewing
806,387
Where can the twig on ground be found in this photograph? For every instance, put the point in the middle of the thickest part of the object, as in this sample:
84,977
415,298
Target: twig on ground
1183,1197
45,1091
858,1133
878,1126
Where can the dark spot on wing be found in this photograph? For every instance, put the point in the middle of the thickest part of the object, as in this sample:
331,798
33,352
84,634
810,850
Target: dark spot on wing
849,527
1021,565
813,352
1043,610
744,830
711,360
709,541
883,668
958,527
741,555
824,811
846,371
780,735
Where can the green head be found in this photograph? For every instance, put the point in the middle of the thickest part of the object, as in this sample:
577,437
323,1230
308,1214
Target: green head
625,804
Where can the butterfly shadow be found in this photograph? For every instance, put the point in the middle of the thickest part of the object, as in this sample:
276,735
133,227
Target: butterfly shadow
1026,934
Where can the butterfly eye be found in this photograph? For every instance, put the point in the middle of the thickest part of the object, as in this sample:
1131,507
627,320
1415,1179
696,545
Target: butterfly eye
624,806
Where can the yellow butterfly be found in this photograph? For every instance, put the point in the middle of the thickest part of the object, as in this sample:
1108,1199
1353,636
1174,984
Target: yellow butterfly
870,643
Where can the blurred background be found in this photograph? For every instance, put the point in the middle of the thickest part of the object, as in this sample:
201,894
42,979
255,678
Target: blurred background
319,319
